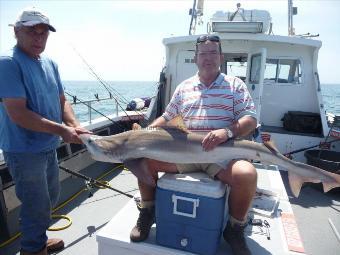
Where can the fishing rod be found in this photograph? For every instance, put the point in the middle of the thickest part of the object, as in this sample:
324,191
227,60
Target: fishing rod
106,86
93,182
102,114
310,147
97,76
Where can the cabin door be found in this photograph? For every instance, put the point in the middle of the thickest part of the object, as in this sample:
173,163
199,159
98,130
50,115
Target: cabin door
185,67
255,74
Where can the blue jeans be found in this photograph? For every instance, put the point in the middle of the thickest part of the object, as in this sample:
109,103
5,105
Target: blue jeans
36,177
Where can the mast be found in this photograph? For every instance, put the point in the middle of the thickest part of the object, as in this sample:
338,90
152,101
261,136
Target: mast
291,11
196,12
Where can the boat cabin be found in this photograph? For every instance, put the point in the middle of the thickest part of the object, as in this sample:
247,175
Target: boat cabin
280,72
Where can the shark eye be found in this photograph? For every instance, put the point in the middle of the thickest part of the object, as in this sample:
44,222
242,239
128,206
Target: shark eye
90,140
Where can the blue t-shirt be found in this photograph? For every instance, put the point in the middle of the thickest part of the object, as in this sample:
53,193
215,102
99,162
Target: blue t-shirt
37,81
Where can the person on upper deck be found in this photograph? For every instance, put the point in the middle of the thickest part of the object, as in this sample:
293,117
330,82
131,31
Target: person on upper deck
222,106
32,110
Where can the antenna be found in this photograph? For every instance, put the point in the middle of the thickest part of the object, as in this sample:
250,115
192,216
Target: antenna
291,11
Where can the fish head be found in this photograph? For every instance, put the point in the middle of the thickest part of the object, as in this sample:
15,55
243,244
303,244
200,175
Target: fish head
101,148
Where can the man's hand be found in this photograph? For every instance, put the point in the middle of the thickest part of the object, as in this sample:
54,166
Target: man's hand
71,134
214,138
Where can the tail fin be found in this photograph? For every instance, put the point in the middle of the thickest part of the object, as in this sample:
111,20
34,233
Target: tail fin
327,186
329,180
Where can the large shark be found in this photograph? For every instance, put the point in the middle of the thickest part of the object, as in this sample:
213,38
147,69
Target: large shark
175,145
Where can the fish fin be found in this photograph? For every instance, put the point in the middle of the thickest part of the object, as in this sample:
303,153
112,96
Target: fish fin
271,146
140,169
327,186
136,126
178,123
295,183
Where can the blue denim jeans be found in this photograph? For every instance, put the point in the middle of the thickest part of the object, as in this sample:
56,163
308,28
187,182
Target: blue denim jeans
36,177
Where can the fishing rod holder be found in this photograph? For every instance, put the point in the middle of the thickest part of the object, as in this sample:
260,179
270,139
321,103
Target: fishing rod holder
89,184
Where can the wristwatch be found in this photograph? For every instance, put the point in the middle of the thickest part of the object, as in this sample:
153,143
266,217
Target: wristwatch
229,133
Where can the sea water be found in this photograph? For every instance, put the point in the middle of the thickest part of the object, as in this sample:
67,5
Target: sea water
121,92
331,97
125,91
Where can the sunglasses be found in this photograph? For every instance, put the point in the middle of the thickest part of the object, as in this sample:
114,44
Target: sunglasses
204,38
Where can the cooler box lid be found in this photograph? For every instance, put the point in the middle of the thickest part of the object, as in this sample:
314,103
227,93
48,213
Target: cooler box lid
197,183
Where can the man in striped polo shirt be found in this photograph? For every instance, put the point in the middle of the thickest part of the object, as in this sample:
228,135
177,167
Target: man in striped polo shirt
220,105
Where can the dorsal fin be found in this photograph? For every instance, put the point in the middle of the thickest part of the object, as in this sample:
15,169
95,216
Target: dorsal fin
271,146
178,123
136,126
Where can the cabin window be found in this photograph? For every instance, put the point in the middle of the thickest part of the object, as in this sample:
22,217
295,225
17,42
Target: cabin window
235,64
189,60
283,71
255,69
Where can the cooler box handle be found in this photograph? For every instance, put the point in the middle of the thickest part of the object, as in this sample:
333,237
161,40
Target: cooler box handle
195,204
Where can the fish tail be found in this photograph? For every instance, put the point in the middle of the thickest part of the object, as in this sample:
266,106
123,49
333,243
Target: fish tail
327,186
296,182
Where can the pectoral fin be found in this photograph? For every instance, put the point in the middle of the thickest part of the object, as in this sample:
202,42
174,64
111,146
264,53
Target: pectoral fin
140,169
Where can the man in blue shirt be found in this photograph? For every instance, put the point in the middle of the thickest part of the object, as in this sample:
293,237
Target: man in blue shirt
34,114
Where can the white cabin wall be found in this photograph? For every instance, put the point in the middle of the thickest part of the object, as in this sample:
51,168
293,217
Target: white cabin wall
287,97
290,97
177,71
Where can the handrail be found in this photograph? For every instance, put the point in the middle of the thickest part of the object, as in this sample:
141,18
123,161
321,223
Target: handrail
93,100
88,104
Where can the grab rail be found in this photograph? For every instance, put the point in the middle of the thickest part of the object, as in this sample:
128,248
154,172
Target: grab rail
88,104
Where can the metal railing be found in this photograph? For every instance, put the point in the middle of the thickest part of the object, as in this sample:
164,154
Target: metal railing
89,105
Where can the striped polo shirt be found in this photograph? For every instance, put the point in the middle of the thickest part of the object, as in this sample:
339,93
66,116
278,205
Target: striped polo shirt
207,108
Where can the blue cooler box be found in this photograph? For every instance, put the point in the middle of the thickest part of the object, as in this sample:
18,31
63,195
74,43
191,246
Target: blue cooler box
190,211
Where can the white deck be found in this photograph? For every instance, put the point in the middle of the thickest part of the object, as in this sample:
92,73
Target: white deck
115,235
90,215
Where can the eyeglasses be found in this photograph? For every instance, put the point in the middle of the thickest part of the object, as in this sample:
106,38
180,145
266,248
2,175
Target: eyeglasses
204,38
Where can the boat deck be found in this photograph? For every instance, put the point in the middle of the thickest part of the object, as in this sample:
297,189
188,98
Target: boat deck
115,235
90,215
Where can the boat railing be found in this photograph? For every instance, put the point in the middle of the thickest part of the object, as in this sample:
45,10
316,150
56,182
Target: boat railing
90,108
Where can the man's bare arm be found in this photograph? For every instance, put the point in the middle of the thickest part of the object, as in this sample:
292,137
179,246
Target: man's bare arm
244,126
68,115
23,117
160,121
240,128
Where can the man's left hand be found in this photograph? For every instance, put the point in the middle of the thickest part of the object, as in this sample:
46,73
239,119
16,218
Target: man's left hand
214,138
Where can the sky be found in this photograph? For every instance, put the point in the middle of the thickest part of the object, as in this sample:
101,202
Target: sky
122,40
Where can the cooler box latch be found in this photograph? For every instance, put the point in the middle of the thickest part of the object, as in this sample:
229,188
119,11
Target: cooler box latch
195,204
